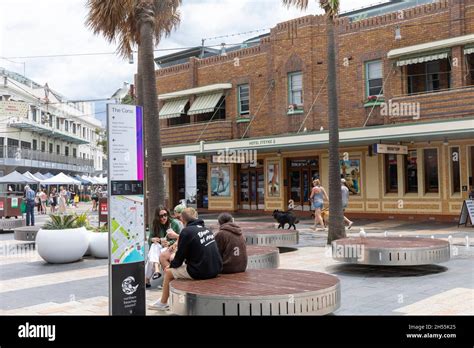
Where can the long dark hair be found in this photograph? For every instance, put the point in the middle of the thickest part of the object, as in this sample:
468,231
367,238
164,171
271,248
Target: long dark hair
156,219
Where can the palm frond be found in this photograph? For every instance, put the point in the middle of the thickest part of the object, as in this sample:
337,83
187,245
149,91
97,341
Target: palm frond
301,4
330,7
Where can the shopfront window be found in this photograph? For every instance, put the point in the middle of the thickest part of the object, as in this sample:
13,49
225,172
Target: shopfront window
431,170
391,173
411,172
455,170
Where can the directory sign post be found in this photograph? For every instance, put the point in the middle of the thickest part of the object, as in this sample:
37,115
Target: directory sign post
126,210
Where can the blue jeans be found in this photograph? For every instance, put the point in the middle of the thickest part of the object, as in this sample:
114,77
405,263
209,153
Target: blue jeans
30,213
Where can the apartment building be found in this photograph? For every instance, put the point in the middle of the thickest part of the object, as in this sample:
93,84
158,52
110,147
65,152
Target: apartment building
41,131
406,113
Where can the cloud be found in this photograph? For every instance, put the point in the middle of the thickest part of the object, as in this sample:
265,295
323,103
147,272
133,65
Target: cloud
46,27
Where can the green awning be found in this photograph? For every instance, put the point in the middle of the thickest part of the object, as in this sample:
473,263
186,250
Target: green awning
423,58
469,49
205,103
173,108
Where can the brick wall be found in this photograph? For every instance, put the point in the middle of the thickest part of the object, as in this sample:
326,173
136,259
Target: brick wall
300,45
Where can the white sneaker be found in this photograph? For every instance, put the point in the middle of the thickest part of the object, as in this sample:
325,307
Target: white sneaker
159,306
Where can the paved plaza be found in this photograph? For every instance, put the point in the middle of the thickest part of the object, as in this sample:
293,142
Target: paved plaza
29,286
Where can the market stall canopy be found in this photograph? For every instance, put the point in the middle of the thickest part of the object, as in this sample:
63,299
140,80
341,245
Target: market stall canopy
61,179
48,175
32,177
16,178
40,176
83,181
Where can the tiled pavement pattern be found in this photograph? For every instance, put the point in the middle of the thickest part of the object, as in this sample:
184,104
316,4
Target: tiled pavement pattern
31,287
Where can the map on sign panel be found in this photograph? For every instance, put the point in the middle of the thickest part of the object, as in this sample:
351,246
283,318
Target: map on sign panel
127,226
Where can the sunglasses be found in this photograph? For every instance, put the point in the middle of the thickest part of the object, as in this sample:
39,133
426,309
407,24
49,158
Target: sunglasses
163,215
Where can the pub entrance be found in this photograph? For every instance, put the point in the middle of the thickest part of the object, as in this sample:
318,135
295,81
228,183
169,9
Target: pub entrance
251,187
301,173
178,186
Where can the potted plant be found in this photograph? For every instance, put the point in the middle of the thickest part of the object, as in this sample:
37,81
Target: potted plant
99,242
61,240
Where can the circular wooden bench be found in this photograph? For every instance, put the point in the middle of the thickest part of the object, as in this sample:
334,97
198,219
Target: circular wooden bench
11,224
391,251
248,224
274,237
257,292
26,233
260,257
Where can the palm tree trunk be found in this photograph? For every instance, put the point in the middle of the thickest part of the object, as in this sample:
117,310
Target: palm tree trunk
336,217
154,178
139,93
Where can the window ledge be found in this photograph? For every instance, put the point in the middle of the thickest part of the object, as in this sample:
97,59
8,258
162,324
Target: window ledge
374,103
296,112
243,119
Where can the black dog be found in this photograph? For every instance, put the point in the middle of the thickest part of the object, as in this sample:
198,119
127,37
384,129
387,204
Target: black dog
284,218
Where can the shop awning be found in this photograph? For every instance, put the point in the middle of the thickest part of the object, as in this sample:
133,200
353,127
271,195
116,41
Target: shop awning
218,87
173,108
205,103
469,49
423,58
422,49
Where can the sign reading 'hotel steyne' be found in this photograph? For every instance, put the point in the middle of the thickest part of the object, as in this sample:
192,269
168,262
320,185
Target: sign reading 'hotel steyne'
126,210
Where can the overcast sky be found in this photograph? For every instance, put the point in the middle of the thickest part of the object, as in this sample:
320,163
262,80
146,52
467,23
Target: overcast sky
47,27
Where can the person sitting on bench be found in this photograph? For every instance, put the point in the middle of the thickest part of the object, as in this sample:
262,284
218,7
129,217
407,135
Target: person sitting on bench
231,245
197,256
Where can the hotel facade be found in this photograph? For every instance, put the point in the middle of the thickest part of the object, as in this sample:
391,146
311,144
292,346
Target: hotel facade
406,113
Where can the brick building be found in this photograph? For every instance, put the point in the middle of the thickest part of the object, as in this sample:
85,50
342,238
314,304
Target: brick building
405,77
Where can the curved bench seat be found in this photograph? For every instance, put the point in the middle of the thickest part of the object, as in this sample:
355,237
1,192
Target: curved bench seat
391,251
257,292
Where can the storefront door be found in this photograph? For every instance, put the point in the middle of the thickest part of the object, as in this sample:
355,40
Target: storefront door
178,188
251,188
301,173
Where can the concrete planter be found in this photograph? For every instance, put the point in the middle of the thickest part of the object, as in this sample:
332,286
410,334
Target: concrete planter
99,244
89,236
62,246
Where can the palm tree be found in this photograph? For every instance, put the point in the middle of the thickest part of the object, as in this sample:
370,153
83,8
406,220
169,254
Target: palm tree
336,218
140,23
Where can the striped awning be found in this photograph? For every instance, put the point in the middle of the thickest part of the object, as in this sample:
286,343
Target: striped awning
173,108
423,58
205,103
469,49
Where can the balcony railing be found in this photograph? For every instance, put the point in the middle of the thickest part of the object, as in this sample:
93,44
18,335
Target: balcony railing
18,154
455,102
189,133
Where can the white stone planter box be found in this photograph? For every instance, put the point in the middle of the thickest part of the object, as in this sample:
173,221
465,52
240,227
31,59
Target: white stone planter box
62,246
99,244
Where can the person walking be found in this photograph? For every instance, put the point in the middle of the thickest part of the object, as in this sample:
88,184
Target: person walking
30,206
318,194
53,200
345,201
62,200
43,197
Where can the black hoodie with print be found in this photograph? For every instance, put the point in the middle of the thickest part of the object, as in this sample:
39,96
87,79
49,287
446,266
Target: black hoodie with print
197,247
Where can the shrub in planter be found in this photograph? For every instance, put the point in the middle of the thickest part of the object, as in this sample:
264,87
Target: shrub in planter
61,240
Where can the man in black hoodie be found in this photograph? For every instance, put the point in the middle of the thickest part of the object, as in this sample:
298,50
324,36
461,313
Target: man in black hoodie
197,256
